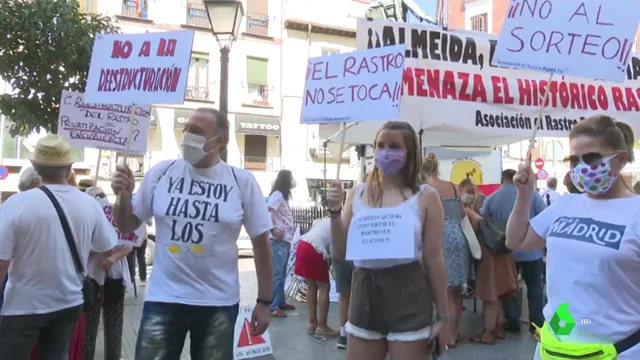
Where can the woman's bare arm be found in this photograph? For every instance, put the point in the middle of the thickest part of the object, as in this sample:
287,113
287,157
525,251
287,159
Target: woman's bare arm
432,255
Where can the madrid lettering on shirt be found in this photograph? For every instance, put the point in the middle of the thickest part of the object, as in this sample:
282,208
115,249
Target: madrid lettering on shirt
192,204
588,230
153,79
353,67
376,228
568,43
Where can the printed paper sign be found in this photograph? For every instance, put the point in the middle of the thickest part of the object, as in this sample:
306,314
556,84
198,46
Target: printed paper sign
148,68
382,233
459,98
247,346
358,86
291,263
592,39
133,239
102,126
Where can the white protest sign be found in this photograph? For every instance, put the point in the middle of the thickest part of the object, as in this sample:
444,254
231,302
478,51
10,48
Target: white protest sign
148,68
245,345
291,263
592,39
359,86
102,126
381,233
133,239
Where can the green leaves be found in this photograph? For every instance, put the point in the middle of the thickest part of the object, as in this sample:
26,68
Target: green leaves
47,49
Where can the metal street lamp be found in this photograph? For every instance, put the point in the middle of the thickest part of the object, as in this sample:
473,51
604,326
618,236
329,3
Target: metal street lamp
225,17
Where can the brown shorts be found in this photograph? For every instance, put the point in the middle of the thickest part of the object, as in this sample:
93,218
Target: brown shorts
393,303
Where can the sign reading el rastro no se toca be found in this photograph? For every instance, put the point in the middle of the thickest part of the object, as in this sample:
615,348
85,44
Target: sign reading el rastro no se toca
149,68
102,126
381,233
592,39
359,86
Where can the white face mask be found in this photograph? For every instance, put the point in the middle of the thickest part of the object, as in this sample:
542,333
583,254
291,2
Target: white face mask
193,147
467,198
293,184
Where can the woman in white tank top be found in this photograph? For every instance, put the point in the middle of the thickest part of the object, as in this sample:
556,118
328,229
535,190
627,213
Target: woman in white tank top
392,296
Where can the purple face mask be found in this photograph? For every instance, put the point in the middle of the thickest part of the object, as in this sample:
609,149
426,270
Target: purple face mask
390,161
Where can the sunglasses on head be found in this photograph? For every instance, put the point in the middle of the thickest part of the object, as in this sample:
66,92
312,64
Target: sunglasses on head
592,158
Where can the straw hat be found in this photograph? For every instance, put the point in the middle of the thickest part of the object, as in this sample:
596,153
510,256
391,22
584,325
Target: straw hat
52,150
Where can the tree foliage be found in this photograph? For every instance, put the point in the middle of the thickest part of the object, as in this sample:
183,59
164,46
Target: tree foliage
47,49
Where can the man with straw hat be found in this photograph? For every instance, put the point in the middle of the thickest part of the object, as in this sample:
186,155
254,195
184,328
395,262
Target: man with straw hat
43,297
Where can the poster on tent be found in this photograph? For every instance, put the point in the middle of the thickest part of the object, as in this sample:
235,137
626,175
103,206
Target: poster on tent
357,86
149,68
592,39
460,98
484,168
102,126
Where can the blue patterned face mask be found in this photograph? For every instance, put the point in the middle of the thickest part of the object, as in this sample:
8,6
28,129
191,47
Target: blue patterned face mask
595,179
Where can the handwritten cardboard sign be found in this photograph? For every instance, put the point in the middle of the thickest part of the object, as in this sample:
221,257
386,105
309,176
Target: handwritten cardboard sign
359,86
133,239
102,126
148,68
381,233
592,39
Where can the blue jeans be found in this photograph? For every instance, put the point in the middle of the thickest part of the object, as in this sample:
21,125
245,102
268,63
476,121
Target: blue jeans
164,327
280,250
532,272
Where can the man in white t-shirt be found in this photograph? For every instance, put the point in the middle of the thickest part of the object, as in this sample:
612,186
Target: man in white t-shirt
550,194
43,297
199,204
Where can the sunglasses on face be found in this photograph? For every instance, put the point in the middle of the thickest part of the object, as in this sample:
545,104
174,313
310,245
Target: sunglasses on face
100,196
592,158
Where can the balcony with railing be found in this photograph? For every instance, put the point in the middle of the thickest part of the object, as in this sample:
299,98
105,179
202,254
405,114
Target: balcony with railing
197,15
135,9
197,93
259,163
258,24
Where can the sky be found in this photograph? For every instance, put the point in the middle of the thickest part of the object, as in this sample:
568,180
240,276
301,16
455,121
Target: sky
428,6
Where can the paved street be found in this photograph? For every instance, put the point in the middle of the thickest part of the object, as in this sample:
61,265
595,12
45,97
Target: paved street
290,341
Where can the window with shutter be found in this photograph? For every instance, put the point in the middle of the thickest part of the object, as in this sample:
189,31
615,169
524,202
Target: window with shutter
258,17
197,14
257,74
480,23
198,78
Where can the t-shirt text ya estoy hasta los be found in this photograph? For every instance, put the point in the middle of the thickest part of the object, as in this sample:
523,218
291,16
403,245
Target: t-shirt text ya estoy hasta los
199,214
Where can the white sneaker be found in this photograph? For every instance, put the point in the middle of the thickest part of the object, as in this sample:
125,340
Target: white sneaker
143,283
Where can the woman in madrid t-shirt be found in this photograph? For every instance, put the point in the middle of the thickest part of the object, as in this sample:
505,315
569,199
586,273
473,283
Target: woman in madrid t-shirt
592,239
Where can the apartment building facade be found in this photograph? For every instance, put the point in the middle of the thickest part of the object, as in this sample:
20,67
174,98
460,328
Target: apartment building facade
315,28
266,81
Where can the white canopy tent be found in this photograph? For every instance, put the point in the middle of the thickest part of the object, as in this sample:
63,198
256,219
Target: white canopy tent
363,133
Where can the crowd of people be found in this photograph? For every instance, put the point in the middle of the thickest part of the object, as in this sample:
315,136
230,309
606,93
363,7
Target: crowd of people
66,269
